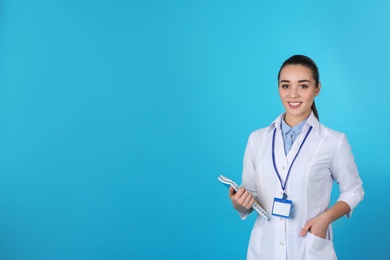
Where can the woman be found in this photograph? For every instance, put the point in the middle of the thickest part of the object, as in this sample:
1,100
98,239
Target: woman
289,168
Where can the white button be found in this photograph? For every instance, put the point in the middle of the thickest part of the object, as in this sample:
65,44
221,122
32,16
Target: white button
281,194
281,243
283,167
281,219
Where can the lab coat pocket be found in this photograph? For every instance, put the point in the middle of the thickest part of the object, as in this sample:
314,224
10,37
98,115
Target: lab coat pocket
318,248
256,248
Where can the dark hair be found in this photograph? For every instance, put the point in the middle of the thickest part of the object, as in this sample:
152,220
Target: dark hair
309,63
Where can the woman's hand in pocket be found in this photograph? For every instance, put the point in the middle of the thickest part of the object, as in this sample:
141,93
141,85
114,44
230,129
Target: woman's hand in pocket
317,226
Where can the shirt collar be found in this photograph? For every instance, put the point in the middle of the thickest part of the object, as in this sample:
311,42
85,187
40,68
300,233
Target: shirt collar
296,129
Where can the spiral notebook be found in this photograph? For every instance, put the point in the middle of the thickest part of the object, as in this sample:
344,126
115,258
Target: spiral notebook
229,183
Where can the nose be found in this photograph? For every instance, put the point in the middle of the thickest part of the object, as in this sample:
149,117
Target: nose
294,92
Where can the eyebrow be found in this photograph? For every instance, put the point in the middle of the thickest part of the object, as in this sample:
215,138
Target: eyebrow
299,81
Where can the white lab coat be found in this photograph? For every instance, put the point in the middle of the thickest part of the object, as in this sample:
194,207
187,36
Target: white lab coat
325,156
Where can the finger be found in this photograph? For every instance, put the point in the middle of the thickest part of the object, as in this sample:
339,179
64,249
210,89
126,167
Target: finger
248,204
240,192
248,201
252,201
231,192
305,229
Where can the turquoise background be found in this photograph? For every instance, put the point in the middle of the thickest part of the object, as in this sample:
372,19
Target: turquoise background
116,118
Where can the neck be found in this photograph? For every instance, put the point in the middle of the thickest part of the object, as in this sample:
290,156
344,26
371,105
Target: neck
294,120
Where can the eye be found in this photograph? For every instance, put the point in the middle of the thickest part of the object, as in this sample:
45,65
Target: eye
284,86
304,86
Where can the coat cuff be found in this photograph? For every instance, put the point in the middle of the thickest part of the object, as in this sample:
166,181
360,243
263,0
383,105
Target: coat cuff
352,199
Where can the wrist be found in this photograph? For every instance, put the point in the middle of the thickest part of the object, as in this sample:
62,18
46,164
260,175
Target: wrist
327,217
243,210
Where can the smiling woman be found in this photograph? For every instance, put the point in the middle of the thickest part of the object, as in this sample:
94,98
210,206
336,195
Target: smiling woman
298,86
314,156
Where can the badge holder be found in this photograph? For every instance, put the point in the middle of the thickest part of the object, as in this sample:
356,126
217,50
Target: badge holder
282,207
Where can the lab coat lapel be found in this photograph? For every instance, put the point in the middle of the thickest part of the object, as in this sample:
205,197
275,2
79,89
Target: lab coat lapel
280,157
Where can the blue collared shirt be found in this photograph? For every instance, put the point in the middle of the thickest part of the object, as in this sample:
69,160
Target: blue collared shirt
290,134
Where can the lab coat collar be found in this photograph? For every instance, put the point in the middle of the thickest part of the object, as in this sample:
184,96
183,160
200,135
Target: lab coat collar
311,121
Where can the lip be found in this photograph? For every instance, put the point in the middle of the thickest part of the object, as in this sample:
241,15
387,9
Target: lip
294,105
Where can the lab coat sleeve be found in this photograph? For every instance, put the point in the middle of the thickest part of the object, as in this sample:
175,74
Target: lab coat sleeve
249,169
345,173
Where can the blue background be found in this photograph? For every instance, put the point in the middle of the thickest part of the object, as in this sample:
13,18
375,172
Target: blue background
116,118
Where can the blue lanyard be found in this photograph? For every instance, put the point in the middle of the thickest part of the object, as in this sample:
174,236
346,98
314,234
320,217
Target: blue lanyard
289,170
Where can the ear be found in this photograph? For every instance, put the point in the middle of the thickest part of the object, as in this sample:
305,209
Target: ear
318,89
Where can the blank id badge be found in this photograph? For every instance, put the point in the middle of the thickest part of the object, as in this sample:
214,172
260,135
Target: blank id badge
281,208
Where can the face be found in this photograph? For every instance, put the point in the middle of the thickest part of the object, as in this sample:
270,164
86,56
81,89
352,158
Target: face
297,90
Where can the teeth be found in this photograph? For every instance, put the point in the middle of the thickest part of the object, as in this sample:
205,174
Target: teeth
294,103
